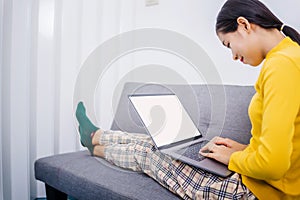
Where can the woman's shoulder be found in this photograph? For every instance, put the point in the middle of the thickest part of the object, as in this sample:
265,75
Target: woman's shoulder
287,48
287,57
291,52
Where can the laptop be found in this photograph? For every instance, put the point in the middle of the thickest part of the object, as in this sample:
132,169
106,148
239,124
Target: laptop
173,132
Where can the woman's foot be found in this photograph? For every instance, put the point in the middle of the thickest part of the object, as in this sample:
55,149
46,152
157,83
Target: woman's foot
86,127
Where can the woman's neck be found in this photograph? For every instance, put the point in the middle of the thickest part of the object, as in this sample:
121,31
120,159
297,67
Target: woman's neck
270,38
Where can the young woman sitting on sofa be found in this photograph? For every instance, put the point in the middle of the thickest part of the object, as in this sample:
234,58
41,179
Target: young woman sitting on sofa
267,168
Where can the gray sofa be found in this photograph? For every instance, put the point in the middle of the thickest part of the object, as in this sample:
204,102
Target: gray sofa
215,109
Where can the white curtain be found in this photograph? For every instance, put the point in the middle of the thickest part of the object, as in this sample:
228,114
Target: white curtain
43,44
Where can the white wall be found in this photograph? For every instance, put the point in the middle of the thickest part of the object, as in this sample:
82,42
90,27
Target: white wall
43,46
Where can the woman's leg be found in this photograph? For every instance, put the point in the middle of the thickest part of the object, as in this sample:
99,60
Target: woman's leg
199,184
135,152
119,147
180,178
118,137
90,134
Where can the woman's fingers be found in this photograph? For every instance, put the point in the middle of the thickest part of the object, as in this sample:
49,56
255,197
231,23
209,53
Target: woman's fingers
221,149
223,141
210,145
207,148
220,153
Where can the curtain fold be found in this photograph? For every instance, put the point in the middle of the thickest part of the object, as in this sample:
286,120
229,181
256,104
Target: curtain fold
43,45
6,19
1,59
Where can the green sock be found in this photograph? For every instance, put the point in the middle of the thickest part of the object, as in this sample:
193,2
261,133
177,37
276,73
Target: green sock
86,127
86,140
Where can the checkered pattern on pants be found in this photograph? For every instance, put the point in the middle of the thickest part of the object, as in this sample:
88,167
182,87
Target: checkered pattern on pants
137,152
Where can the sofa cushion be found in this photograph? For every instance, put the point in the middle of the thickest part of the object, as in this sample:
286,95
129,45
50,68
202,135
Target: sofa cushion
89,178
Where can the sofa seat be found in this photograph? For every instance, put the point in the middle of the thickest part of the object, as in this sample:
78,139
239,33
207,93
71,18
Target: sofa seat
82,176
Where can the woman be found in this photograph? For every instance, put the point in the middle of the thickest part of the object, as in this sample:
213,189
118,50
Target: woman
268,168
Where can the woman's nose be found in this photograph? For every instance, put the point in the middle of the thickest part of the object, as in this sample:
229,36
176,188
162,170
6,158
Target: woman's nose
235,57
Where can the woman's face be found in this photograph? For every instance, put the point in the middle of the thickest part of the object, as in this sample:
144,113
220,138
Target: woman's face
244,45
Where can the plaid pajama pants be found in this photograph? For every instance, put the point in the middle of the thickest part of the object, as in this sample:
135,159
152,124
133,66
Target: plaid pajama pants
137,152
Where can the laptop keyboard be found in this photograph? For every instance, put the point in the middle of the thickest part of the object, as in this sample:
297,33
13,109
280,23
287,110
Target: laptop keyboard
192,151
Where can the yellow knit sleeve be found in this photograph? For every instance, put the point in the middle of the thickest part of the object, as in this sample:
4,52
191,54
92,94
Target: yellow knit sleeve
269,156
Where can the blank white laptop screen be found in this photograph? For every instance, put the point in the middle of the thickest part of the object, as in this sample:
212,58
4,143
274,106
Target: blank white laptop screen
165,118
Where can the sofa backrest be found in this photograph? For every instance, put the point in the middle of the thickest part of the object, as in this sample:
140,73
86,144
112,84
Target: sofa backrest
217,110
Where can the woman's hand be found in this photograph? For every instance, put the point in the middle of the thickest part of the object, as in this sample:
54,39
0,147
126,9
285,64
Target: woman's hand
221,149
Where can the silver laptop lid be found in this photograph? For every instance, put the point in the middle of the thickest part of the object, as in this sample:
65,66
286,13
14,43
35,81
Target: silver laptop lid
165,118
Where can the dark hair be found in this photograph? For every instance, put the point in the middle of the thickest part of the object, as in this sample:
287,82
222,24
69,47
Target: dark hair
255,12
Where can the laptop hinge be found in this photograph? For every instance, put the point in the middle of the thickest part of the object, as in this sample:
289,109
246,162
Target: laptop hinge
179,142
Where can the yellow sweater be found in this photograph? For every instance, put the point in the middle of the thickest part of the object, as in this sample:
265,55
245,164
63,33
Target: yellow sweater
270,165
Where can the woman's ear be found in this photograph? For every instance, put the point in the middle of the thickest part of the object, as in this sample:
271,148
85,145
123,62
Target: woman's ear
244,23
